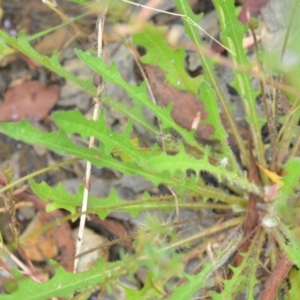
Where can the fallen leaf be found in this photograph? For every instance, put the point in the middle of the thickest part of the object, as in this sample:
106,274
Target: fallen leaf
62,233
31,100
186,107
115,228
39,244
64,240
54,41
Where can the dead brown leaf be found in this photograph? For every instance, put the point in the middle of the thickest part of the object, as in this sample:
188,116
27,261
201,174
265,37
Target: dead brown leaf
186,107
54,41
38,244
116,228
62,233
31,100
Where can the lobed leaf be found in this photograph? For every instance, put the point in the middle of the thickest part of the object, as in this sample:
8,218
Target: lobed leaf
290,184
205,278
135,114
212,93
138,94
182,162
64,284
52,63
232,36
170,60
59,197
211,105
239,283
147,292
75,122
61,144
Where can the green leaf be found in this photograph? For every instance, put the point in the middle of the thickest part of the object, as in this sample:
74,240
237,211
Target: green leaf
148,290
75,122
205,278
182,162
22,44
64,284
138,94
240,282
60,143
213,91
59,197
294,278
170,60
290,184
237,284
52,63
211,105
232,36
135,114
292,248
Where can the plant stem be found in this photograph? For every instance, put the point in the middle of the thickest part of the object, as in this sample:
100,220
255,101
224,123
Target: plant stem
272,131
39,172
216,228
96,100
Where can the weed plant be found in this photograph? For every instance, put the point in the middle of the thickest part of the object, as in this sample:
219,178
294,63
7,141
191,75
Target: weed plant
253,238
